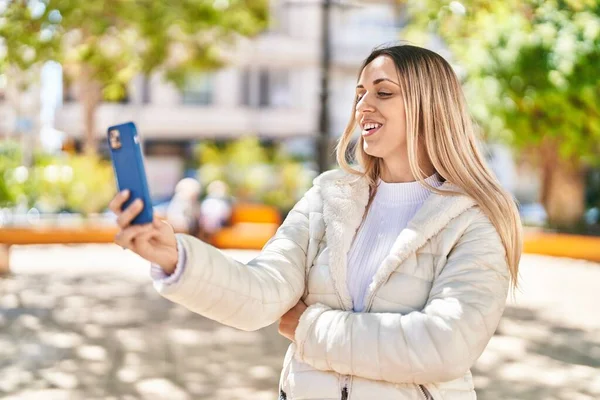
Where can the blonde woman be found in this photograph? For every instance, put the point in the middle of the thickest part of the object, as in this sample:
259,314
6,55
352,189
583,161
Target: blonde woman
388,276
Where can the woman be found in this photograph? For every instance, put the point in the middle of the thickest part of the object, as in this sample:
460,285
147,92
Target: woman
395,272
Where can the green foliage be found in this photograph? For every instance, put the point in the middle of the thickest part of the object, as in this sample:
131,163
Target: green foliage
75,183
10,159
110,42
254,172
532,68
79,183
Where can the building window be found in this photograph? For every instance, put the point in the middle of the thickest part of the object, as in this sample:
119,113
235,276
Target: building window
266,88
68,90
378,23
145,89
274,89
264,91
198,89
281,94
280,17
246,91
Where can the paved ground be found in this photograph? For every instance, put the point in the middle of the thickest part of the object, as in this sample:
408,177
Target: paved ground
83,322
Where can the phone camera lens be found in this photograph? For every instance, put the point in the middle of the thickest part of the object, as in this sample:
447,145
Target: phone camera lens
114,138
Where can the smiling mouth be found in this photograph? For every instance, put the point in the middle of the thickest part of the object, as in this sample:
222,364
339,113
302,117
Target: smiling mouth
371,132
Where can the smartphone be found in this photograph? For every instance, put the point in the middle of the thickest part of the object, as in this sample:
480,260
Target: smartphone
128,165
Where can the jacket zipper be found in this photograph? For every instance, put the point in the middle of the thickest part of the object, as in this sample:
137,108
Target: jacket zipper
346,378
426,394
345,381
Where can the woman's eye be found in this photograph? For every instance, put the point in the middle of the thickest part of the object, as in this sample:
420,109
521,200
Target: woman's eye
380,94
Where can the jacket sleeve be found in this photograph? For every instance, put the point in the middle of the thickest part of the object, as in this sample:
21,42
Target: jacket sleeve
439,343
245,296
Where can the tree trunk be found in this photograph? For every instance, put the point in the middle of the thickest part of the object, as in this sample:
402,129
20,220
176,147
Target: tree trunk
563,187
91,95
4,259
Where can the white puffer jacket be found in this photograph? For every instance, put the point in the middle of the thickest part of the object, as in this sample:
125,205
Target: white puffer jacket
431,309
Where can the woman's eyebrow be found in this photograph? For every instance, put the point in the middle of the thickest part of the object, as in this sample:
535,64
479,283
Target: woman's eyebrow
376,81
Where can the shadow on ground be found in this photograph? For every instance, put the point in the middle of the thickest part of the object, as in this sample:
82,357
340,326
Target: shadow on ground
531,358
109,337
98,337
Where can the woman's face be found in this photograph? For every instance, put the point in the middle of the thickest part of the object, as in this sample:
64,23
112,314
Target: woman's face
380,109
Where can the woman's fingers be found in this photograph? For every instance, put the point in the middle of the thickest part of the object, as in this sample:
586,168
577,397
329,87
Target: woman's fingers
117,202
147,236
157,221
130,213
161,224
290,316
124,217
163,227
285,330
126,237
296,312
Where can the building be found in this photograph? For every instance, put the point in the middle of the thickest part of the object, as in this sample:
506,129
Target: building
270,90
20,108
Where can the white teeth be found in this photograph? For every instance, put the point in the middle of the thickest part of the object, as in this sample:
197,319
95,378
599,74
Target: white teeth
371,125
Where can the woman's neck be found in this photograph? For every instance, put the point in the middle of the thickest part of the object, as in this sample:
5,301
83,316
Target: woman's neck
399,172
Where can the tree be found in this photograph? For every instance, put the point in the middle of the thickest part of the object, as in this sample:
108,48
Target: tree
532,81
103,45
10,158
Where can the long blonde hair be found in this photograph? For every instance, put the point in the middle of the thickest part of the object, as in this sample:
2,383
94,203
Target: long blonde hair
437,118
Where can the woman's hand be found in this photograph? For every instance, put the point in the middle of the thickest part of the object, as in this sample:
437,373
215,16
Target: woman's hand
289,322
154,242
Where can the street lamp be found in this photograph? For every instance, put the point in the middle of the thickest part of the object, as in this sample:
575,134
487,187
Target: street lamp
324,123
322,143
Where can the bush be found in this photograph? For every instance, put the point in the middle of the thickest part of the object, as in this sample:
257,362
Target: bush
254,172
10,159
54,183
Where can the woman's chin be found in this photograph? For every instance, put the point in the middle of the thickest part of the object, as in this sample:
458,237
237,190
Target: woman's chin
371,150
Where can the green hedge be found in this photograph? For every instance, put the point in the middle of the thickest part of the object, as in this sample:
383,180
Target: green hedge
54,183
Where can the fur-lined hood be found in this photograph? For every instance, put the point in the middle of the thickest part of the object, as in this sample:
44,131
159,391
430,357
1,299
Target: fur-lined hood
345,198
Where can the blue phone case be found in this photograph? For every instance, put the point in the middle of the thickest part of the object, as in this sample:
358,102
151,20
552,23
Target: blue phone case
128,164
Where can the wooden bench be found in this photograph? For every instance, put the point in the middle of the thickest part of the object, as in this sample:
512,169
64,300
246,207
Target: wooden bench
84,233
562,245
252,225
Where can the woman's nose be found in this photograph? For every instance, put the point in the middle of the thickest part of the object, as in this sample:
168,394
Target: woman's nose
363,105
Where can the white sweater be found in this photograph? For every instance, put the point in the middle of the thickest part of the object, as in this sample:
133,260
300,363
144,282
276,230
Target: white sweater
393,207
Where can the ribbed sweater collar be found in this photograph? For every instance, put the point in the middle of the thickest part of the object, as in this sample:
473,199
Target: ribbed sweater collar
406,192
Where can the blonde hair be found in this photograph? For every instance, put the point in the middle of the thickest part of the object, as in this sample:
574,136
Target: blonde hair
437,118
